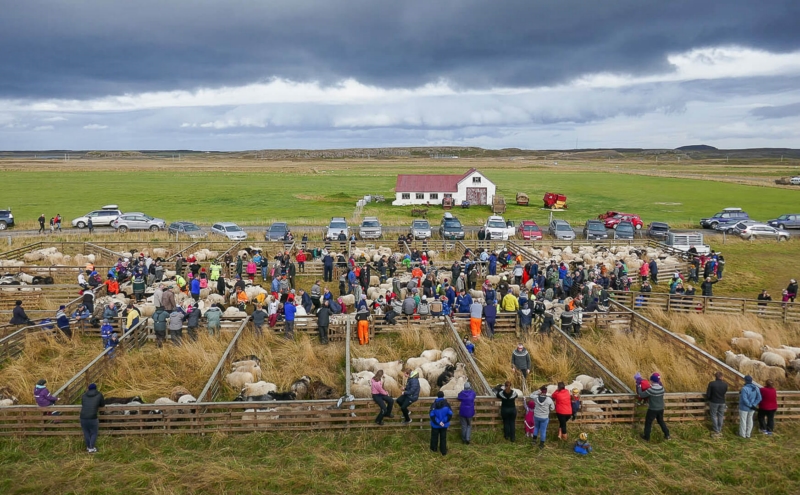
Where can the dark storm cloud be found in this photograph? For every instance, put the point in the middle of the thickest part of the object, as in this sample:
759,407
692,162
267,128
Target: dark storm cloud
86,49
777,112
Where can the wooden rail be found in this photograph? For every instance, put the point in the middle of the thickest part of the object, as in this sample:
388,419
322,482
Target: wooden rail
476,378
216,381
592,365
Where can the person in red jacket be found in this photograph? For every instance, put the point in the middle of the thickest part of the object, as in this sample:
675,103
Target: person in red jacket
767,408
301,260
563,401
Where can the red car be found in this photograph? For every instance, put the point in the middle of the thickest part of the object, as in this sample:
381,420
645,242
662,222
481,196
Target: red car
611,223
609,214
529,231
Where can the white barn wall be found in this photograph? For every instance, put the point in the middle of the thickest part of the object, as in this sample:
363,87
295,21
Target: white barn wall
459,196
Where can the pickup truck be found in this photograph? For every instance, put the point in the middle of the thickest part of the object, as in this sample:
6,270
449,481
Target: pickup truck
499,229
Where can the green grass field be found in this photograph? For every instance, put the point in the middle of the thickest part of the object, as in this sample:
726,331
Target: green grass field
400,462
310,195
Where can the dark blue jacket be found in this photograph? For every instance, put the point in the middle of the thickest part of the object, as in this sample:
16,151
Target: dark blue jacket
412,387
328,261
441,413
464,303
490,313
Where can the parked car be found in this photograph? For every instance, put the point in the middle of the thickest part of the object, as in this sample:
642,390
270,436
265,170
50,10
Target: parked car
499,228
229,230
611,223
529,231
658,230
728,216
763,230
594,229
609,214
561,229
276,232
187,229
625,230
104,216
684,242
739,227
6,219
370,228
420,229
138,221
337,226
795,181
788,221
451,227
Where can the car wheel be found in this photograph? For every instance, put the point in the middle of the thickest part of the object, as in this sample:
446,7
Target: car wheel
154,228
782,226
81,225
3,226
782,238
638,227
123,229
713,225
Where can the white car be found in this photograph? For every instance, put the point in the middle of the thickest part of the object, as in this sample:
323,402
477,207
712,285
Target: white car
420,229
104,216
229,230
499,229
764,230
337,226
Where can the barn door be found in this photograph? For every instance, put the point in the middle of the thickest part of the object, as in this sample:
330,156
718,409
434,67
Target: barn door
476,195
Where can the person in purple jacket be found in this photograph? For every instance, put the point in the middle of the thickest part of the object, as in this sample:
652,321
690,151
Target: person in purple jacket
42,395
466,411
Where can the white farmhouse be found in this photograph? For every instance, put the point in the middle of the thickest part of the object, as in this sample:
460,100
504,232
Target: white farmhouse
422,189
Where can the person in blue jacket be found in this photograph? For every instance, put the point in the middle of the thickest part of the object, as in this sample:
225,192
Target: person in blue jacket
194,289
410,394
466,411
492,264
440,414
464,301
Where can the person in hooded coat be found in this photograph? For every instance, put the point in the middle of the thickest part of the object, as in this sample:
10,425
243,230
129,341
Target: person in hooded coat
508,410
440,415
91,402
466,411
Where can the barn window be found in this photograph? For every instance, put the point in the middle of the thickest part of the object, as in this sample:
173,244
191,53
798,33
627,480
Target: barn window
420,195
448,195
476,179
406,196
434,195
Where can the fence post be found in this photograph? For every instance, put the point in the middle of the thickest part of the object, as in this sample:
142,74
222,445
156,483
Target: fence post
347,358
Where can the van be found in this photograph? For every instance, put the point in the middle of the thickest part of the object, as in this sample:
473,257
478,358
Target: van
683,242
795,181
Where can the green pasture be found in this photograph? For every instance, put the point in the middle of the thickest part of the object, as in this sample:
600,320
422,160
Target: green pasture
306,196
370,462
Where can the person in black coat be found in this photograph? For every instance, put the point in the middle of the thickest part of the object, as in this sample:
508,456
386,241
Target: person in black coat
508,410
18,316
91,401
323,320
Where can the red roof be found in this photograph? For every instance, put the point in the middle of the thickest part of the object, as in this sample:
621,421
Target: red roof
429,182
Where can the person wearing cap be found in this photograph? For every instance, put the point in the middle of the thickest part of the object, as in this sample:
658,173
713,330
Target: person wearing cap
62,321
440,415
582,445
715,395
105,332
521,361
655,406
749,399
91,401
575,402
112,344
18,316
42,395
466,411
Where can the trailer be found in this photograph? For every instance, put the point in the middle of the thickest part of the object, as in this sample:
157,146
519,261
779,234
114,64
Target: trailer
498,205
555,201
522,199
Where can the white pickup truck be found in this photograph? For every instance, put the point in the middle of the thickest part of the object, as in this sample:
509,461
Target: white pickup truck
499,229
683,242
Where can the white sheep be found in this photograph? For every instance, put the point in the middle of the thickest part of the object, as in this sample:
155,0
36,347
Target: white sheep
589,382
163,401
431,354
349,299
431,371
453,387
361,376
187,399
363,364
424,388
416,362
745,343
794,364
391,385
687,338
258,388
785,353
772,359
253,369
753,335
259,416
248,362
774,373
796,350
361,390
461,370
236,380
6,402
450,354
590,409
391,368
734,360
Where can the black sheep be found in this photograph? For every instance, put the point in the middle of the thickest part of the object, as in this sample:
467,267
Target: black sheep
446,375
283,395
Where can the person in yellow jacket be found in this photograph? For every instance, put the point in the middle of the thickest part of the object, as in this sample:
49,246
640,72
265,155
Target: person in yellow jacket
181,283
510,303
216,269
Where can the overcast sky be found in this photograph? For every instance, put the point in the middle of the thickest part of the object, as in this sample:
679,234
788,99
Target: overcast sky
536,74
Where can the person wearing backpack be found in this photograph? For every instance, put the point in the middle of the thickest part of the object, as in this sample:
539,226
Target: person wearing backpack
160,318
424,309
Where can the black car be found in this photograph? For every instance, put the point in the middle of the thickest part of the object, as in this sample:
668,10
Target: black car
6,219
594,229
658,230
451,227
625,230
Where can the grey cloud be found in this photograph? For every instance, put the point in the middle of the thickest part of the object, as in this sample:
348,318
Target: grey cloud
777,112
85,49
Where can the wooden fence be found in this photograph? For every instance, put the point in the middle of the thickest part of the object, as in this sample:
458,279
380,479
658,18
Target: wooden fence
216,380
776,310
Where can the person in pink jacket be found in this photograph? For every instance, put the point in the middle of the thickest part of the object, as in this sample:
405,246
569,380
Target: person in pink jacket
381,397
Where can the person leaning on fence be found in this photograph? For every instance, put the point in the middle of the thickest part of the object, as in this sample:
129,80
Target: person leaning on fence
381,397
160,318
767,408
193,321
43,397
508,410
362,317
655,406
543,405
323,320
749,399
715,395
18,315
466,411
175,325
410,394
62,321
91,402
289,311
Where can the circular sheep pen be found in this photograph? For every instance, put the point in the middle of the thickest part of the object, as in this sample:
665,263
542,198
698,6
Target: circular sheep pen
718,334
52,357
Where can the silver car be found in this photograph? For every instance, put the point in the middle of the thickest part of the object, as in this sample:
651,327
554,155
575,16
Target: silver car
370,228
561,229
763,230
104,216
187,229
421,229
138,221
229,230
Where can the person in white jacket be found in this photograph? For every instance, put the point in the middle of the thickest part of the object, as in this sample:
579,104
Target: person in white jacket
543,405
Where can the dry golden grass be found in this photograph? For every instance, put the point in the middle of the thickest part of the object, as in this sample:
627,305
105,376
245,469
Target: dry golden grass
624,354
152,372
55,359
550,359
284,361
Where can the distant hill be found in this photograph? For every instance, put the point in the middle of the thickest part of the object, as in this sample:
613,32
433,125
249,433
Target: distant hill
697,147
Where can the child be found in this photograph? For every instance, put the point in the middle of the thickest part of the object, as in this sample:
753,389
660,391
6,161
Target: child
644,383
576,403
582,445
112,344
530,429
469,345
105,332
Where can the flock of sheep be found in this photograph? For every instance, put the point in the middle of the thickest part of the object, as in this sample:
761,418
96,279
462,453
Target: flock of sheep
245,376
435,367
772,364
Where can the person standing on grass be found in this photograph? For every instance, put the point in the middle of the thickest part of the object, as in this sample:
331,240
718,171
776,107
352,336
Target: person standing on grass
791,290
508,410
381,397
213,316
749,399
91,402
563,406
466,410
715,395
410,394
160,318
767,408
655,406
541,414
708,287
440,415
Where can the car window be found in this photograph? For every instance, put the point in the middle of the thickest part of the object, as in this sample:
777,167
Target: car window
452,222
338,225
370,223
563,227
531,228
